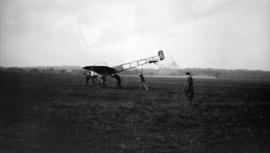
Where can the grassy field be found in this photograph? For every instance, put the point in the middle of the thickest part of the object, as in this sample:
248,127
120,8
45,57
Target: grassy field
57,113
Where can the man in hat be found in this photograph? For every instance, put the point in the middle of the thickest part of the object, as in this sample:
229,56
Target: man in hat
143,82
189,90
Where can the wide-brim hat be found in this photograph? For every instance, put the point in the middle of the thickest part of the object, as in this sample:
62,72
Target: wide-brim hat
187,73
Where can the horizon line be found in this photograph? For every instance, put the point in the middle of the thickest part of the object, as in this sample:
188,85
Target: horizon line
160,68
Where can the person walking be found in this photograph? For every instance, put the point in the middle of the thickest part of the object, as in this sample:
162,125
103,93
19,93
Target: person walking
118,79
189,89
143,82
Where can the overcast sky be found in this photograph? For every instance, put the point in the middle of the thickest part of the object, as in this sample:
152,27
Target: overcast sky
230,34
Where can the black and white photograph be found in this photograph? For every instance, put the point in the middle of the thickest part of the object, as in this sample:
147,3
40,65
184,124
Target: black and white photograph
134,76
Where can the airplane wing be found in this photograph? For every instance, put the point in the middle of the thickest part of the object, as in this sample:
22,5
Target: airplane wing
102,70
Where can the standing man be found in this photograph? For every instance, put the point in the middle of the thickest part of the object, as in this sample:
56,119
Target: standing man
189,90
118,79
94,78
87,77
102,81
143,82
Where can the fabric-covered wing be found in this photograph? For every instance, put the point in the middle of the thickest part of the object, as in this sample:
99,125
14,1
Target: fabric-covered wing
102,70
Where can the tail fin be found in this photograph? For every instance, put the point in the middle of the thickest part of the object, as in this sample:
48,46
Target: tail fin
161,55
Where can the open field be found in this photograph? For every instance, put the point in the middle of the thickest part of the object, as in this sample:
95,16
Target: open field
57,113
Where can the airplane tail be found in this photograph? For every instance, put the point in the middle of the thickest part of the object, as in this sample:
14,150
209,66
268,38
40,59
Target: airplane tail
141,62
161,55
